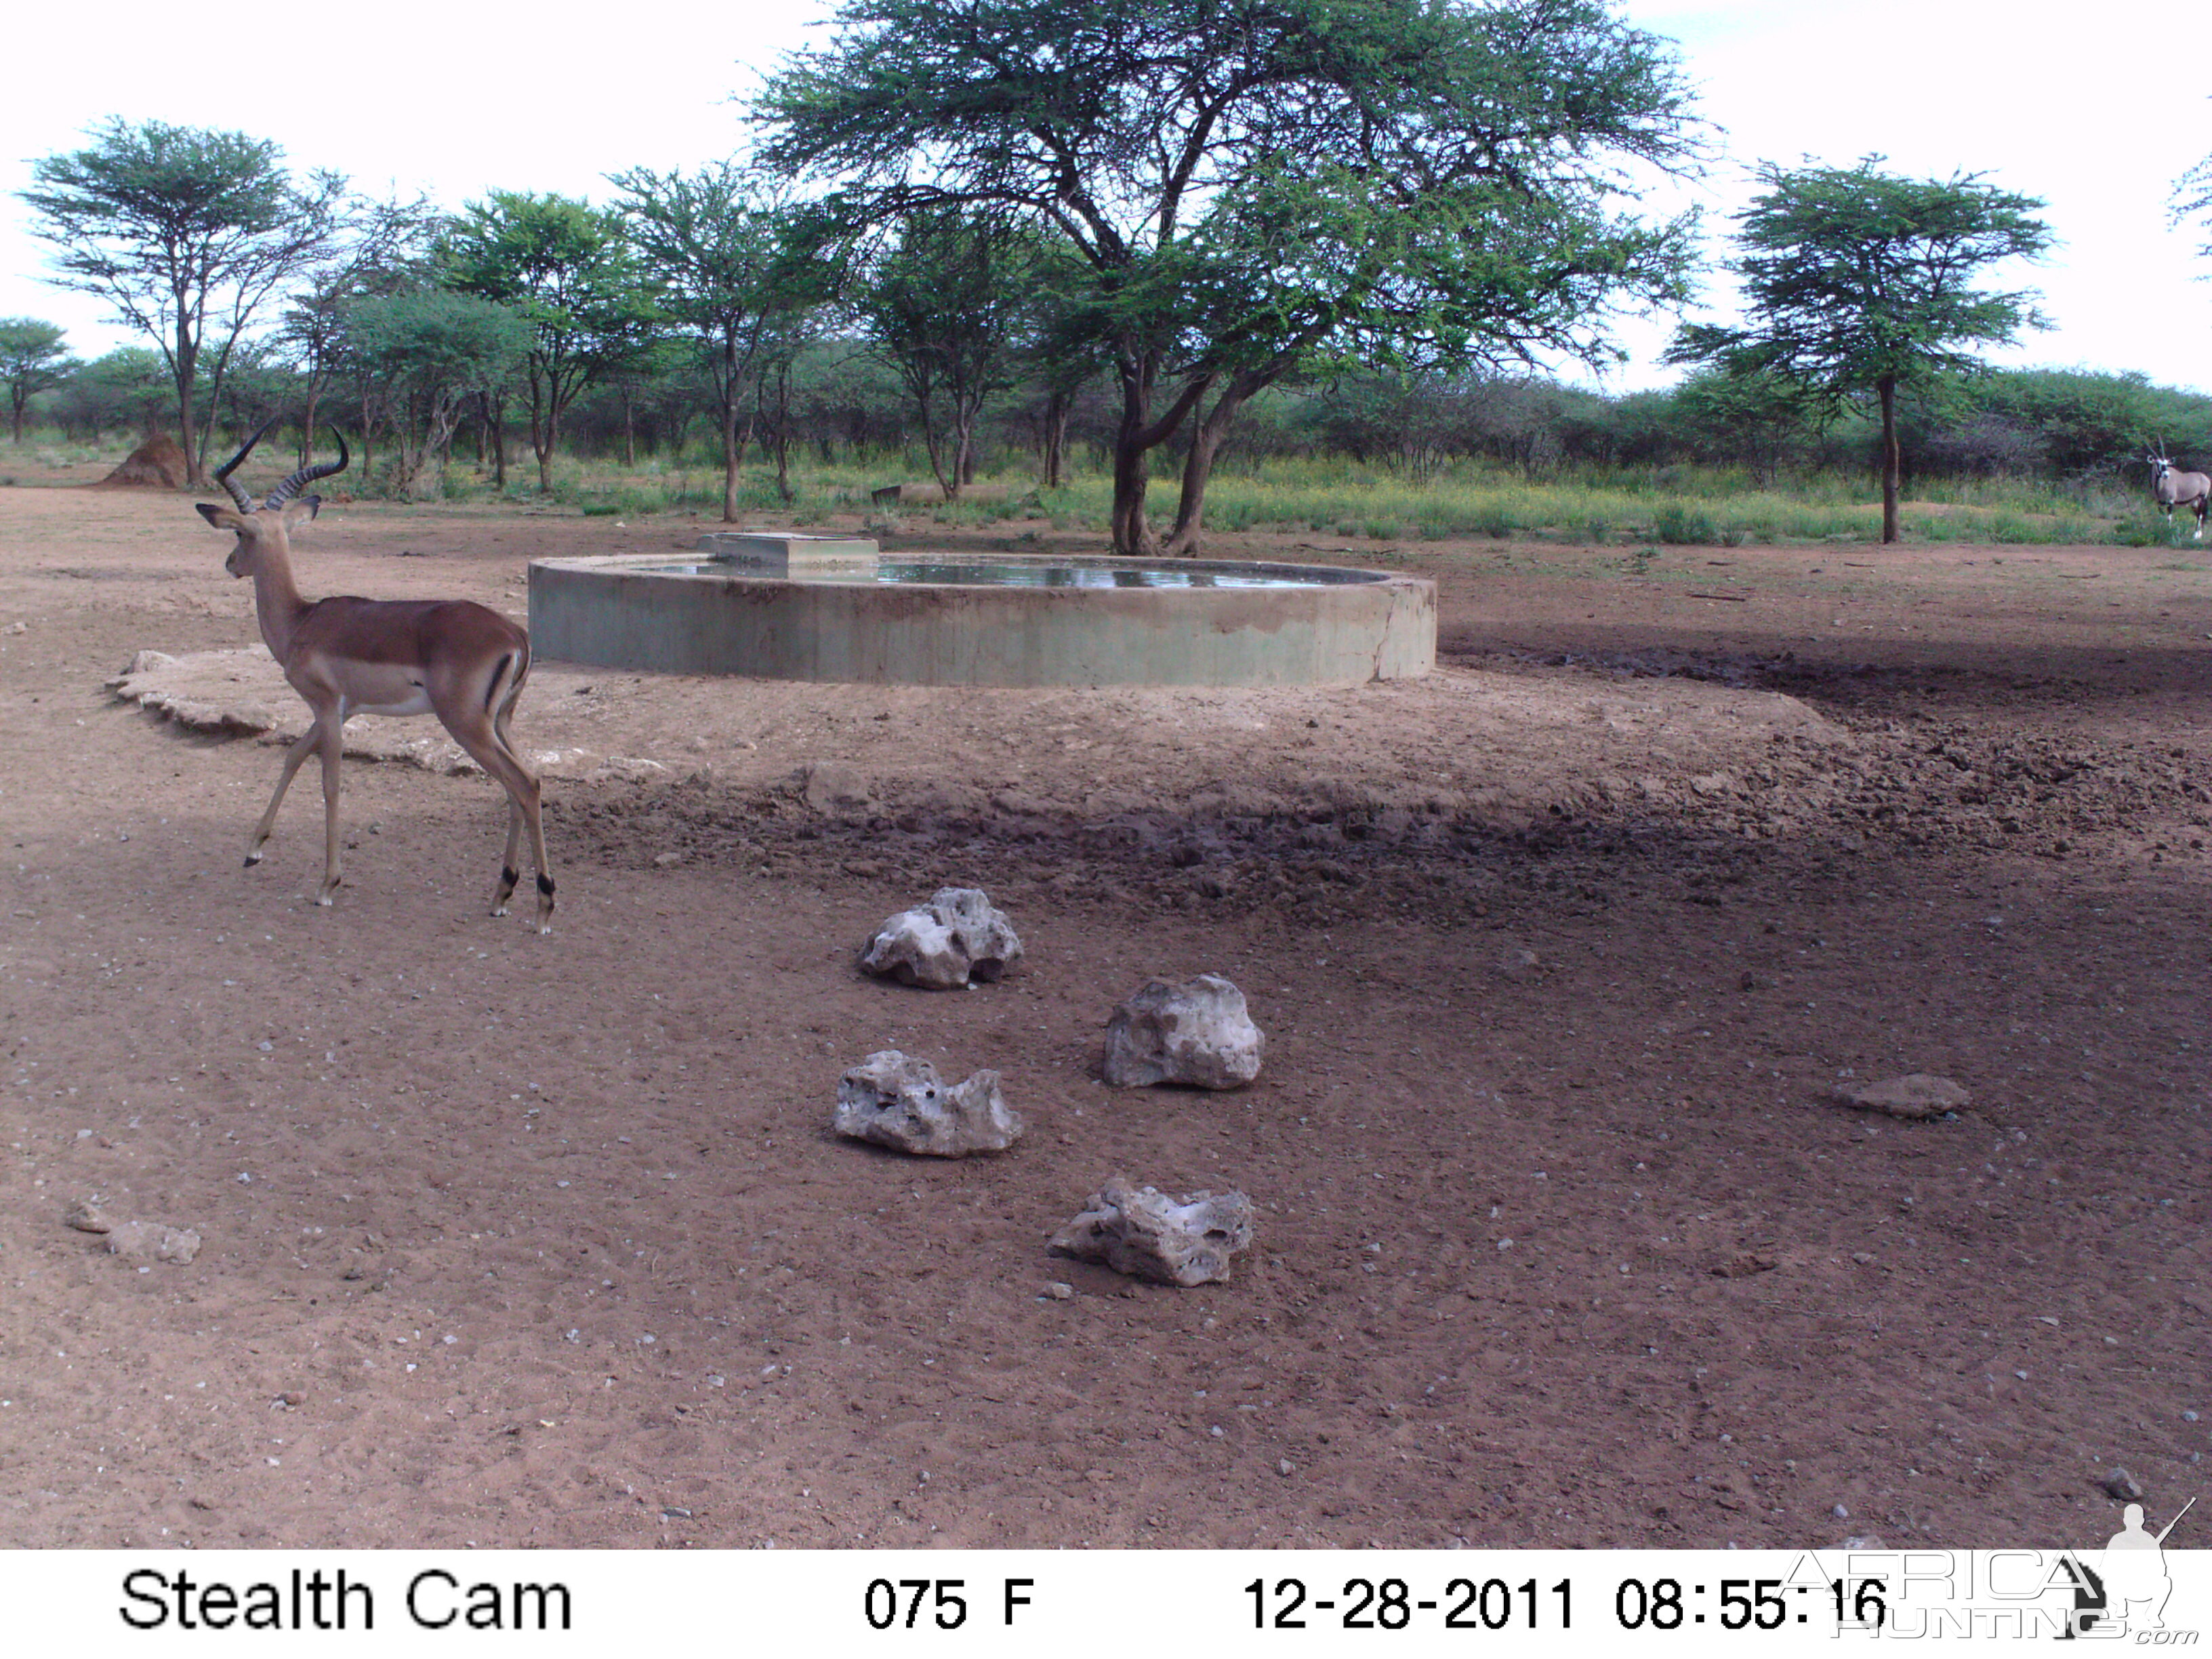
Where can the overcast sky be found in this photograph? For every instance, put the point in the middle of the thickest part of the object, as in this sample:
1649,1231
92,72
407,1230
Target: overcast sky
453,100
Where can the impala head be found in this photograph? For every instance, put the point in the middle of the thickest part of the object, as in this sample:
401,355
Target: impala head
257,525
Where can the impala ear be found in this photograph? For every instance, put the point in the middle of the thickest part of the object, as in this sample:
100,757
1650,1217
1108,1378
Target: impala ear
302,511
222,516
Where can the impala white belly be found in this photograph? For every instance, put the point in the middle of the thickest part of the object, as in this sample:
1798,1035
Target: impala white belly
397,698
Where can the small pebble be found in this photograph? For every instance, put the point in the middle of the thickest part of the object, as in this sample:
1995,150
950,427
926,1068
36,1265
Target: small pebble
1284,1467
1058,1291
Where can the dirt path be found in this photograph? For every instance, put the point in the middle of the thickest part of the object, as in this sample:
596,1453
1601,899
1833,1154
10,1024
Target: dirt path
515,1240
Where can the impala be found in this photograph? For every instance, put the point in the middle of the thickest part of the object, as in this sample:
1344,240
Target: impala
452,658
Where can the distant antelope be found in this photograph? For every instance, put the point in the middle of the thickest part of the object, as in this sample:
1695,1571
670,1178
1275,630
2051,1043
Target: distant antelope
452,658
2171,489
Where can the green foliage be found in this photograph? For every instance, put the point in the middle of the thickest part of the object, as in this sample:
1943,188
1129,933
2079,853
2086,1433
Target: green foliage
32,359
1678,524
735,260
437,341
567,270
1856,282
1251,186
185,233
1855,278
2192,199
129,388
948,304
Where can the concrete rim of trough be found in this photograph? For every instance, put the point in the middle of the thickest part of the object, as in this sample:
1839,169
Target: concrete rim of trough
1339,626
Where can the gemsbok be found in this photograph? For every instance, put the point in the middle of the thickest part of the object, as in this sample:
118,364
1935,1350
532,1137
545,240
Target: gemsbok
455,658
2171,490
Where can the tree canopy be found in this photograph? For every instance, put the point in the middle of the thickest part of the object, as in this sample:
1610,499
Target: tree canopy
732,256
1857,281
186,232
1250,183
949,306
432,352
566,268
32,359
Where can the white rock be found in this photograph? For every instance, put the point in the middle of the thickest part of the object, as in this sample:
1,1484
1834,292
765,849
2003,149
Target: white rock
898,1101
956,937
1140,1231
1917,1094
1197,1033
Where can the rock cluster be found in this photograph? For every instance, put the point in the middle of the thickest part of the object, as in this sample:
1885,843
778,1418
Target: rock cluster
955,939
1197,1033
895,1101
1140,1231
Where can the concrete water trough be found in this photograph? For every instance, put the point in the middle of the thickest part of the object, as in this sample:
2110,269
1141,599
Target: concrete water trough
820,608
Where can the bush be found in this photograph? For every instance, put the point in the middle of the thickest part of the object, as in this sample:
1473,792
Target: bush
1680,526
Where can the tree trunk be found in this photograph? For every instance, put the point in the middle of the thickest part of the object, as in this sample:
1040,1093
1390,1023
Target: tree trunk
1135,438
17,395
730,454
933,439
498,406
544,419
195,444
783,433
1197,466
1888,387
1132,537
367,447
630,428
1055,438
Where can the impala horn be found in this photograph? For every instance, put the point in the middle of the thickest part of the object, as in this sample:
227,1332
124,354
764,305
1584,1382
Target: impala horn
307,475
223,473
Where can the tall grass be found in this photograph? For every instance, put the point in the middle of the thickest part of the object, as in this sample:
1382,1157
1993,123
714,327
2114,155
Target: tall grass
1341,498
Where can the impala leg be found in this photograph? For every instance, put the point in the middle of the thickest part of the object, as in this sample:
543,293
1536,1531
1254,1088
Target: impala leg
529,811
508,875
486,741
333,752
295,758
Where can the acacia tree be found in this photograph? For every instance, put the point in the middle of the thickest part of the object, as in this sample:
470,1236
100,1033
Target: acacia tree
32,360
433,353
1855,283
568,269
1250,184
948,304
186,232
382,248
723,246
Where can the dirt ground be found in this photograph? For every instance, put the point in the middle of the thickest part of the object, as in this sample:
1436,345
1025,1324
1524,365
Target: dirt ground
1561,954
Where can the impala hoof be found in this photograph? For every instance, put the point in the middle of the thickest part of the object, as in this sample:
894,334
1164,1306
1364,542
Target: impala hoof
253,858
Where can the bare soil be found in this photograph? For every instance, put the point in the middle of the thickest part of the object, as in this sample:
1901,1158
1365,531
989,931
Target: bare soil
1561,953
